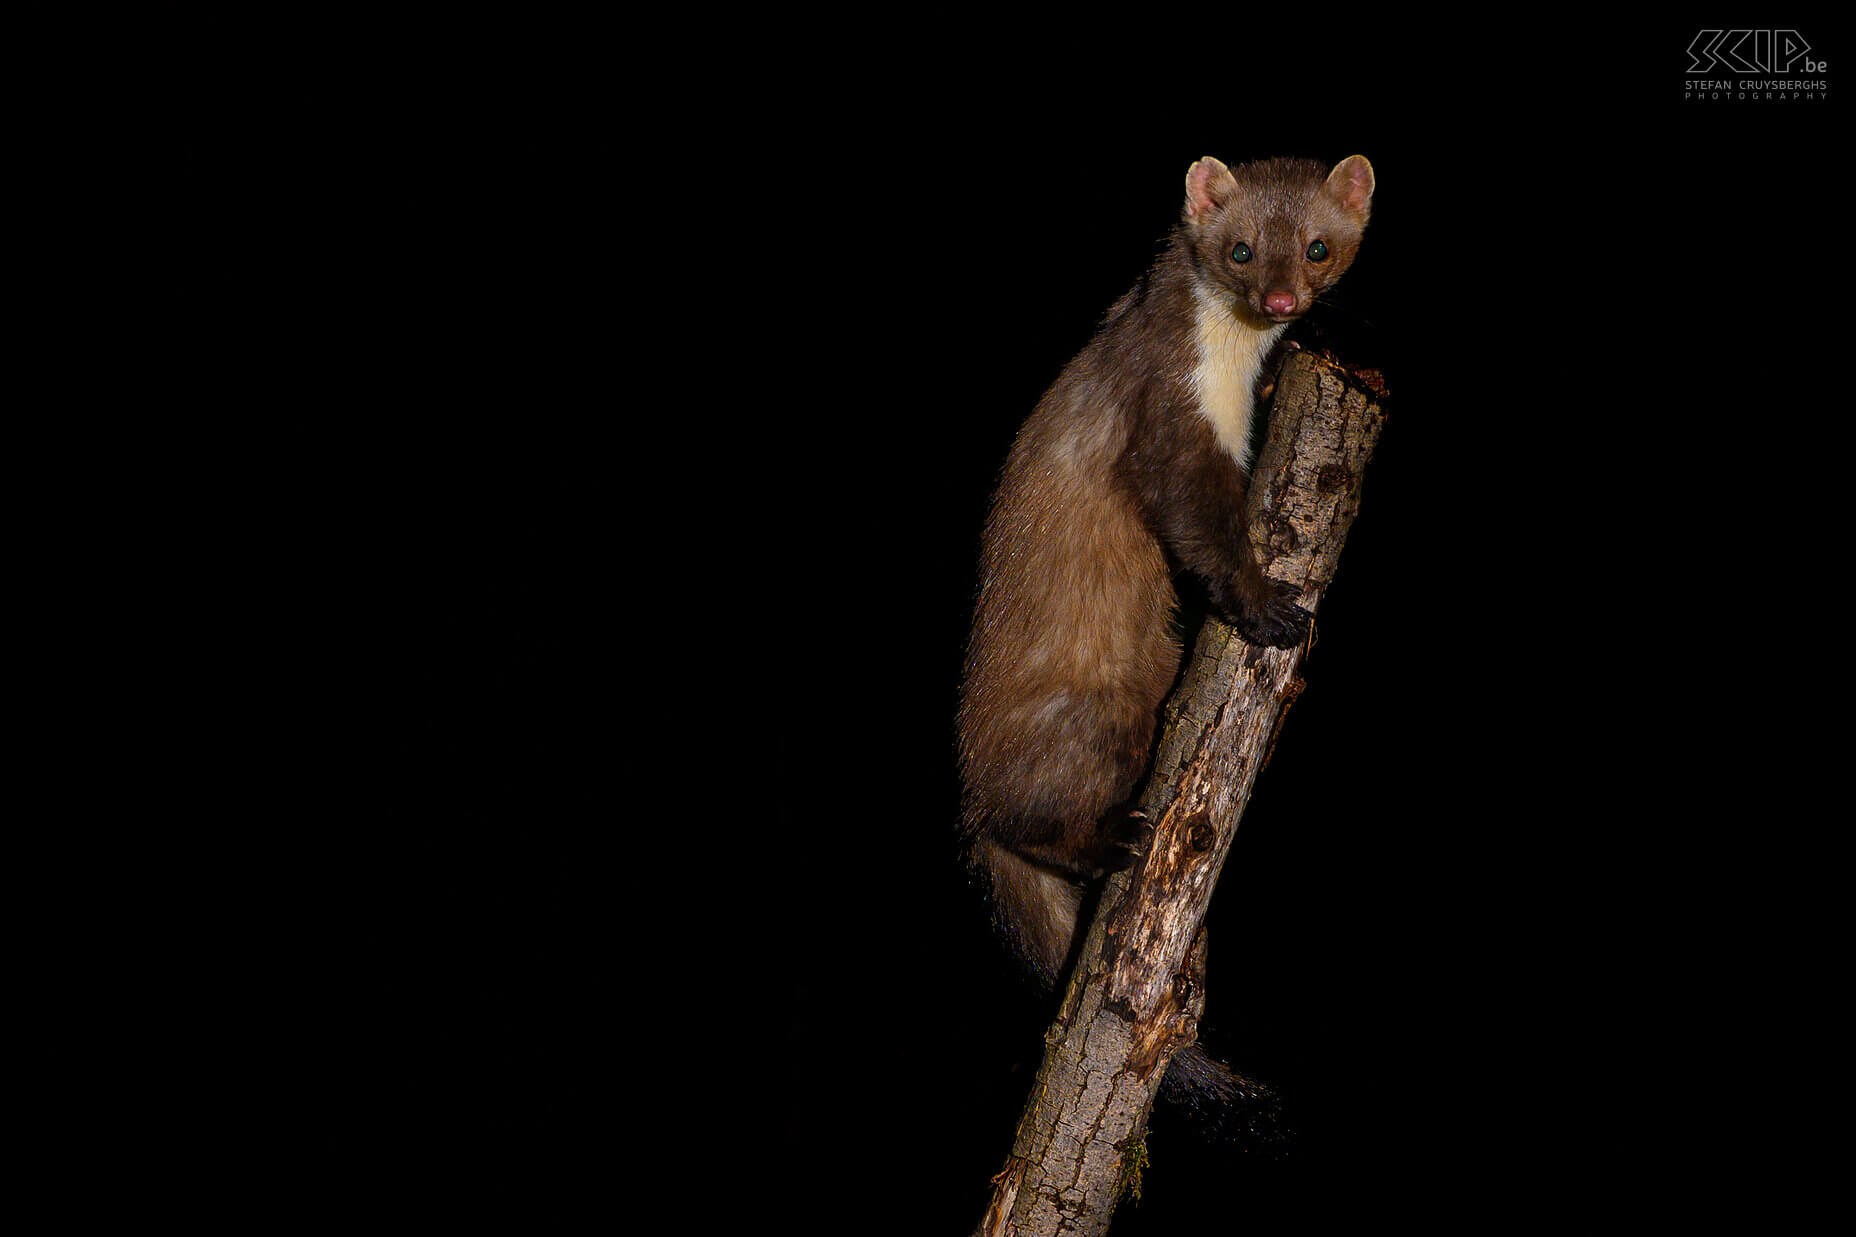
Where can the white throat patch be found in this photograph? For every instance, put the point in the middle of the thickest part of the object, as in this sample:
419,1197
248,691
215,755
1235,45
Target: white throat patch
1225,379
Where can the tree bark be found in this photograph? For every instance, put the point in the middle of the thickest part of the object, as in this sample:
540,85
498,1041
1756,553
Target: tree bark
1138,986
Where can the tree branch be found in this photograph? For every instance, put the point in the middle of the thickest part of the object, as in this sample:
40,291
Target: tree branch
1138,986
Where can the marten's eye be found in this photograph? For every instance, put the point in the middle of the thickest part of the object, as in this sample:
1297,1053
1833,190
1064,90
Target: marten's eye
1317,252
1241,253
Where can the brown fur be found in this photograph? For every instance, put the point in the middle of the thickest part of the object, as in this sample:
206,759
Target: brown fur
1115,477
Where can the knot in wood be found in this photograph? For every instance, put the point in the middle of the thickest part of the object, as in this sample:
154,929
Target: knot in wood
1200,835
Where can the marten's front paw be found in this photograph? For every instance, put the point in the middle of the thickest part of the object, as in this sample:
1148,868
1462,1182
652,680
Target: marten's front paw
1279,624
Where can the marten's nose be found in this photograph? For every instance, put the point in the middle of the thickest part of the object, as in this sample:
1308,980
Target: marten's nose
1280,302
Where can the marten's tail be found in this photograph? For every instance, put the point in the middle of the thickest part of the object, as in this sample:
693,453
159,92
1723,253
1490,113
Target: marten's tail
1224,1103
1036,910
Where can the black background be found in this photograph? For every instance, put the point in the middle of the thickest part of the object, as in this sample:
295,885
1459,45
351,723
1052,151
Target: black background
651,546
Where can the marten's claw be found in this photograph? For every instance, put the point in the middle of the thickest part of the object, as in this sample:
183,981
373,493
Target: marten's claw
1129,838
1281,625
1273,622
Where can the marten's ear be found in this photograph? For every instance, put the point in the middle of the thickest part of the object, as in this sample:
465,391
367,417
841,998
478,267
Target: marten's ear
1351,184
1209,185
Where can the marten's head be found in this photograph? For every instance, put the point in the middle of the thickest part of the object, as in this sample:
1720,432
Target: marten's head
1273,235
